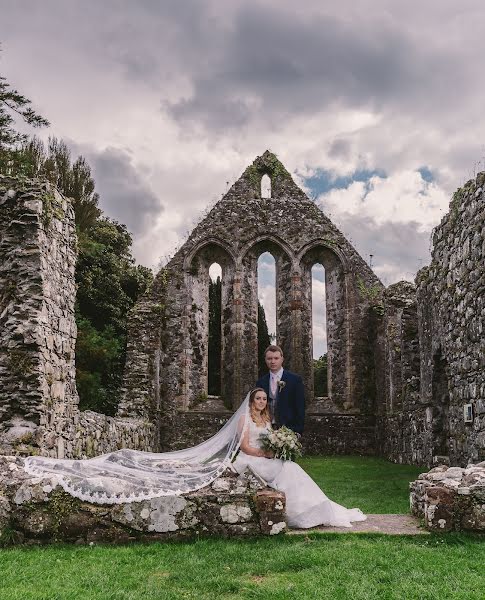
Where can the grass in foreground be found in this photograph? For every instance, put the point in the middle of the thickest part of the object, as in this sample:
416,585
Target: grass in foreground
372,484
322,566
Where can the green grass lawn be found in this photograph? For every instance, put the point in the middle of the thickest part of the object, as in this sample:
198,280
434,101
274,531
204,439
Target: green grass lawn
348,566
372,484
317,566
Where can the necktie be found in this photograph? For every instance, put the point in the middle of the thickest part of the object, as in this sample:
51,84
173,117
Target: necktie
273,386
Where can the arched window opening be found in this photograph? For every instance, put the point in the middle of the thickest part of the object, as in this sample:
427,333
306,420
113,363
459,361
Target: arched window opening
265,186
266,306
214,355
319,332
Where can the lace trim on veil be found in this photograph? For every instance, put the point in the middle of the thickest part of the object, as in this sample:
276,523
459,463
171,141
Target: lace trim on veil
132,475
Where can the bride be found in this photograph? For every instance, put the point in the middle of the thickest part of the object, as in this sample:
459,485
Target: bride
132,475
306,504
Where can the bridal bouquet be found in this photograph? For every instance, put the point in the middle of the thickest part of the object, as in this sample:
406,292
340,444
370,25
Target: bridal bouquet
283,442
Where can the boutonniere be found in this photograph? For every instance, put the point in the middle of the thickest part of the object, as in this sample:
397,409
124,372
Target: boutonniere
281,385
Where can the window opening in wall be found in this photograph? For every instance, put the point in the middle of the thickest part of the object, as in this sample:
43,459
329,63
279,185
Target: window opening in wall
265,186
319,332
214,357
266,306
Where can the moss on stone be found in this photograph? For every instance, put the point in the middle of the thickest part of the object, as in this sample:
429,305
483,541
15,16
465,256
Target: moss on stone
268,164
50,209
20,363
61,505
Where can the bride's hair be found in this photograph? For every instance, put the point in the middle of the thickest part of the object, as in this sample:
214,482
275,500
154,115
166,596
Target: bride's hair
252,411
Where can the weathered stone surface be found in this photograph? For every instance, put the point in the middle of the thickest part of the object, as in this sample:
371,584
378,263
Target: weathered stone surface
403,361
450,498
431,346
38,510
39,404
166,374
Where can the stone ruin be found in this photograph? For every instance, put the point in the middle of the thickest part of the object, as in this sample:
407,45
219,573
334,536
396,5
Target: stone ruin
35,510
39,403
166,377
404,362
450,498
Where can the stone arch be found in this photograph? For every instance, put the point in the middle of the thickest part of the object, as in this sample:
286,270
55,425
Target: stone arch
196,272
220,248
318,244
270,243
338,321
283,257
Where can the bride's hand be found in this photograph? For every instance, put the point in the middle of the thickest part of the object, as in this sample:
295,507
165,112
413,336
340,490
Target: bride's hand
268,454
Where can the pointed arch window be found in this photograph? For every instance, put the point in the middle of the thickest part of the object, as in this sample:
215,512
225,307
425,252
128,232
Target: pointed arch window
266,306
214,355
265,186
319,331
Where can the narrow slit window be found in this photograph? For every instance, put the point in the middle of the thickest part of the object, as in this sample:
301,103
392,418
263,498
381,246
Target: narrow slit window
319,332
214,357
265,186
266,306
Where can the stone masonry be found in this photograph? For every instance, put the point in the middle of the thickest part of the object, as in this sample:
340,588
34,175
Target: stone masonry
450,498
431,346
166,372
404,362
36,510
39,404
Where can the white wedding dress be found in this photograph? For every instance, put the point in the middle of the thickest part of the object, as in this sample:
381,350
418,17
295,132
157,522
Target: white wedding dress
132,475
306,504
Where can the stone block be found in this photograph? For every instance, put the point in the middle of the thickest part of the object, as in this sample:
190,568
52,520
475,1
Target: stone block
38,509
439,508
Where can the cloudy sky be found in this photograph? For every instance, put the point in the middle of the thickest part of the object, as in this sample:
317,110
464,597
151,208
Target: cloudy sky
375,106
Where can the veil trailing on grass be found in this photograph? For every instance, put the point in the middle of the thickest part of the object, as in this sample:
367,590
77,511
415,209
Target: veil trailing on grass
132,475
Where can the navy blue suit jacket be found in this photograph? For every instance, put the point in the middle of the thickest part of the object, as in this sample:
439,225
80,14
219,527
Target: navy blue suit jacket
290,400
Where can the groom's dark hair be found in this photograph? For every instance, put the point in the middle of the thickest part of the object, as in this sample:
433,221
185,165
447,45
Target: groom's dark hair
273,348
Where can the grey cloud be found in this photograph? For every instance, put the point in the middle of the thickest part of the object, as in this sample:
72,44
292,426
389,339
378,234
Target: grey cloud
276,63
401,248
124,195
267,61
339,148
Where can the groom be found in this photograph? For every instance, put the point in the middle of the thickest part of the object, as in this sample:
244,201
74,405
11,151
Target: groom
286,395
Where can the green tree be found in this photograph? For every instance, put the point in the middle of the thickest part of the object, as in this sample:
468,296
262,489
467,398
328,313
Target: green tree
74,179
215,341
108,280
14,106
99,362
109,284
264,340
320,376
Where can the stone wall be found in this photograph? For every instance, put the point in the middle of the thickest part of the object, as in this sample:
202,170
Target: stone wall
166,373
37,294
329,434
402,424
431,345
39,404
451,310
450,498
403,361
37,510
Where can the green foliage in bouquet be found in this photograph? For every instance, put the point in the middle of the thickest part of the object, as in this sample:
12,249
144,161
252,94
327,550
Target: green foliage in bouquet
283,443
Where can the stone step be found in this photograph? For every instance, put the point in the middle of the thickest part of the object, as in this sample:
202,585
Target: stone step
387,524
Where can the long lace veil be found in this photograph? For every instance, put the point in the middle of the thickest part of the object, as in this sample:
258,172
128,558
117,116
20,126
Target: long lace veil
131,475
